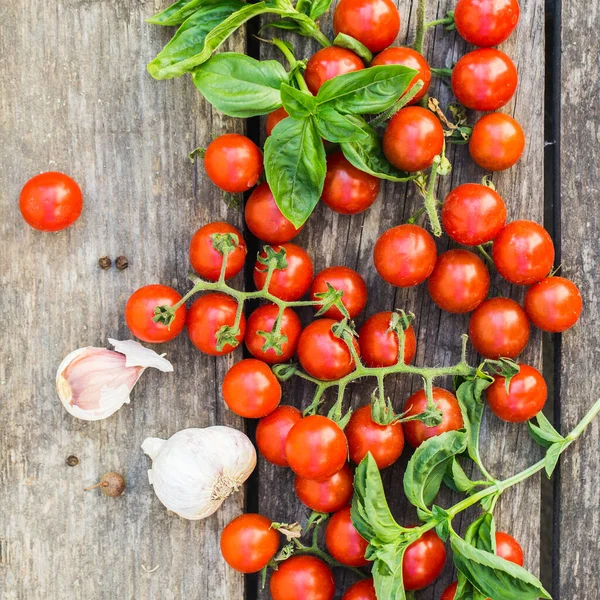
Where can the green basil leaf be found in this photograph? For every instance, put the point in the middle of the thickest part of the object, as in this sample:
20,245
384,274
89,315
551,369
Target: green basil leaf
346,41
298,104
482,533
544,433
178,12
289,24
387,572
304,6
461,481
551,459
319,8
470,399
337,128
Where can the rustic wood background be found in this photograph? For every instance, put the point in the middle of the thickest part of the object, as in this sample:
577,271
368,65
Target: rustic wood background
75,96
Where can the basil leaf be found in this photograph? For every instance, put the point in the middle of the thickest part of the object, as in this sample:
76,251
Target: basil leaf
481,533
295,167
551,459
346,41
304,6
297,103
319,8
178,12
240,86
336,128
544,433
387,572
459,478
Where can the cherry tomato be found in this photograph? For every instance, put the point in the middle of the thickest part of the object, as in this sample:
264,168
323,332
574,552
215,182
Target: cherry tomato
526,396
328,495
344,543
402,55
348,190
206,316
328,63
374,23
207,260
460,281
275,117
423,561
413,138
523,252
263,319
249,542
379,344
484,79
139,313
316,448
51,201
233,162
553,304
322,354
499,327
405,255
415,431
302,578
486,23
473,214
292,282
384,442
272,432
348,281
250,389
509,549
497,142
361,590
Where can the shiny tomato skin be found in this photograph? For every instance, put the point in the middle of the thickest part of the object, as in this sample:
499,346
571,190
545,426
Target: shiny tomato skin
473,214
407,57
322,354
384,442
423,561
509,549
328,495
272,432
328,63
405,255
233,162
499,328
361,590
51,201
486,23
275,117
460,281
526,396
523,252
348,281
497,142
379,346
449,592
316,448
348,190
206,316
139,312
302,578
413,138
343,541
416,432
374,23
553,304
249,542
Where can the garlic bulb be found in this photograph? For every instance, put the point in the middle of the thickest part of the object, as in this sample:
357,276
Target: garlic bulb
93,383
196,469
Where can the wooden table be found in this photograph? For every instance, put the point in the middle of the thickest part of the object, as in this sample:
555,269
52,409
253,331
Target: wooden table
75,97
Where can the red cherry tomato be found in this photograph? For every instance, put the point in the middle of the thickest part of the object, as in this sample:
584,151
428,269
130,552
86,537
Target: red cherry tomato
264,319
415,431
460,281
384,442
473,214
139,313
553,304
509,549
379,344
423,561
328,63
486,23
275,117
499,327
51,201
302,578
233,162
497,142
206,316
523,252
405,255
449,592
402,55
344,543
348,281
322,354
484,79
292,282
316,448
361,590
249,542
272,432
328,495
348,190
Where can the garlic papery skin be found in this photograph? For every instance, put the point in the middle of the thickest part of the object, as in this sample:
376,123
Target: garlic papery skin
195,470
93,383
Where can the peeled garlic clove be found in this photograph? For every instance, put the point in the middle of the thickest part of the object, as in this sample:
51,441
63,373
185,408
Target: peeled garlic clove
93,383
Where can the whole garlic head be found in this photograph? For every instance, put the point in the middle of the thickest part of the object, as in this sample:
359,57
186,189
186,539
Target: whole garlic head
195,470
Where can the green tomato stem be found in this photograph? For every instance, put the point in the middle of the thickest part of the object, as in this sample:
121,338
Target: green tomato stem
421,26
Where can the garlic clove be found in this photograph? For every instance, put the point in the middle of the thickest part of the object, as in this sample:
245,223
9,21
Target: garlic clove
137,355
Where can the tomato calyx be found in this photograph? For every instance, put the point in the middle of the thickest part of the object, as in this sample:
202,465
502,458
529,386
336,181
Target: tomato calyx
330,299
273,259
274,340
224,243
197,153
165,315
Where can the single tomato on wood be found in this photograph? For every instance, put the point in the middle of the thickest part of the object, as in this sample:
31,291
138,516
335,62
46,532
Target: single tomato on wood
302,578
509,549
553,304
343,541
486,23
345,280
272,432
380,344
497,142
423,561
328,63
328,495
